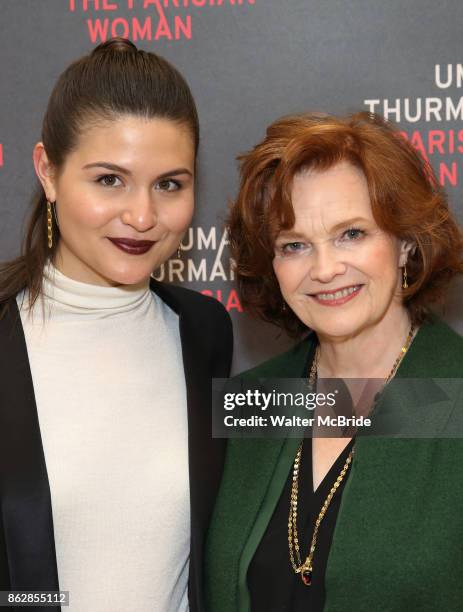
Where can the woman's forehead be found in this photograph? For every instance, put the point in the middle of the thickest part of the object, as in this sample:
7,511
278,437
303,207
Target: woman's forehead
330,197
130,141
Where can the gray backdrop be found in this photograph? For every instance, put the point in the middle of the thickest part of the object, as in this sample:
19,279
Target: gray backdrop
248,62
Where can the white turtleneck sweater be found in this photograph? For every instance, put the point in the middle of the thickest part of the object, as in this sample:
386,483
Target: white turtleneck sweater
110,391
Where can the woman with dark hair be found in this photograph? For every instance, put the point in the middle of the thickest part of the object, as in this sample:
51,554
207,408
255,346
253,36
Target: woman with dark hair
108,467
340,230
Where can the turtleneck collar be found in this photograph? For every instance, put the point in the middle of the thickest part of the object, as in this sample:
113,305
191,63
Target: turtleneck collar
71,295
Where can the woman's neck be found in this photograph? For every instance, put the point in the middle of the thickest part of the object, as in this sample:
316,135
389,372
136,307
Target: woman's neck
371,353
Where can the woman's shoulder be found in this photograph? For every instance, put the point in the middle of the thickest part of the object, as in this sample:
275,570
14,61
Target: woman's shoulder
9,310
437,350
290,364
437,328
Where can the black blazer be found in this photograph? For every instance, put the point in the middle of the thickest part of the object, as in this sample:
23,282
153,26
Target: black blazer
27,547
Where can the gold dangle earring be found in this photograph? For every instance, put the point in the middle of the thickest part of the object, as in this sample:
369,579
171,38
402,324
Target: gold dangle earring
404,277
49,225
179,253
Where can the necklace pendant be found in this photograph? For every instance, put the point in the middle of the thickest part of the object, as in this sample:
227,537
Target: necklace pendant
306,577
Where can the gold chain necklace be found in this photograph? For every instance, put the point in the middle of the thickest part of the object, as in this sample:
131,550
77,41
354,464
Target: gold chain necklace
305,568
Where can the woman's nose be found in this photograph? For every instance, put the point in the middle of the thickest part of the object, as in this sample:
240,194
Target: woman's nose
326,265
140,211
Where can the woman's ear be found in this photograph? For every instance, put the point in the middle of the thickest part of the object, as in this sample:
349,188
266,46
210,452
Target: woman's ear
406,248
44,171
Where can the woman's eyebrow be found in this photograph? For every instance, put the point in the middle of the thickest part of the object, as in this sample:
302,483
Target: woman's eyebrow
289,235
347,222
176,172
120,169
108,166
294,234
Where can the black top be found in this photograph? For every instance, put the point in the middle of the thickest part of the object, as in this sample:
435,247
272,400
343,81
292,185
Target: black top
272,583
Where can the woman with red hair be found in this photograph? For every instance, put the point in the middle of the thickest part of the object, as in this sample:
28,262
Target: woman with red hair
340,230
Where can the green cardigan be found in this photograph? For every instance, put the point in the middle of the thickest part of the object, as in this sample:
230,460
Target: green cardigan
398,540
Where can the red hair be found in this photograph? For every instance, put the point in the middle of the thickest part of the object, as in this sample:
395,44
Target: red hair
406,202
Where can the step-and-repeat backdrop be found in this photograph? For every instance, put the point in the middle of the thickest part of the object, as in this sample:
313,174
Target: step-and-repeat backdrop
248,62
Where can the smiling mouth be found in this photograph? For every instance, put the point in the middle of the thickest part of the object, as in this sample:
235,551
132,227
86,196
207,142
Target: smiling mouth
338,297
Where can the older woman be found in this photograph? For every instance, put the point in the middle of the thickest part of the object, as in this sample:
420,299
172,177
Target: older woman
108,471
340,228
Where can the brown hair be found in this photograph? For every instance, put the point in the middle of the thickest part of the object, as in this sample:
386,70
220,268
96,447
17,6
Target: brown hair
115,79
406,201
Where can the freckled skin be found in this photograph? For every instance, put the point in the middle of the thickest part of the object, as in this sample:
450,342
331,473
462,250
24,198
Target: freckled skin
139,204
336,243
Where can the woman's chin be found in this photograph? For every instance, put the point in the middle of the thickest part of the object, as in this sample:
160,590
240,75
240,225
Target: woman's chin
131,279
337,330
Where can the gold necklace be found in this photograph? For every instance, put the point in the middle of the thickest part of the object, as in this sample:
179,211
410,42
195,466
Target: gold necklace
305,568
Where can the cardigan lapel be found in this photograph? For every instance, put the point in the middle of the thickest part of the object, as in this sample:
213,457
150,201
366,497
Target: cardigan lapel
24,488
263,466
257,467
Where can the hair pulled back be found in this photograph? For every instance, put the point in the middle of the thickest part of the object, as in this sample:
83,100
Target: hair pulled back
114,80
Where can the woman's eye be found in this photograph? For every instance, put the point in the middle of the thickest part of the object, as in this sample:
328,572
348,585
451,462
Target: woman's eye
109,180
168,185
292,247
353,234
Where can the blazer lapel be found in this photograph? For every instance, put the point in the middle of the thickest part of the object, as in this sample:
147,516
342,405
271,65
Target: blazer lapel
263,466
206,455
24,488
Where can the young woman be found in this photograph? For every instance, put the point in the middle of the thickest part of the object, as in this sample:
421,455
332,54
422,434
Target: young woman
108,467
